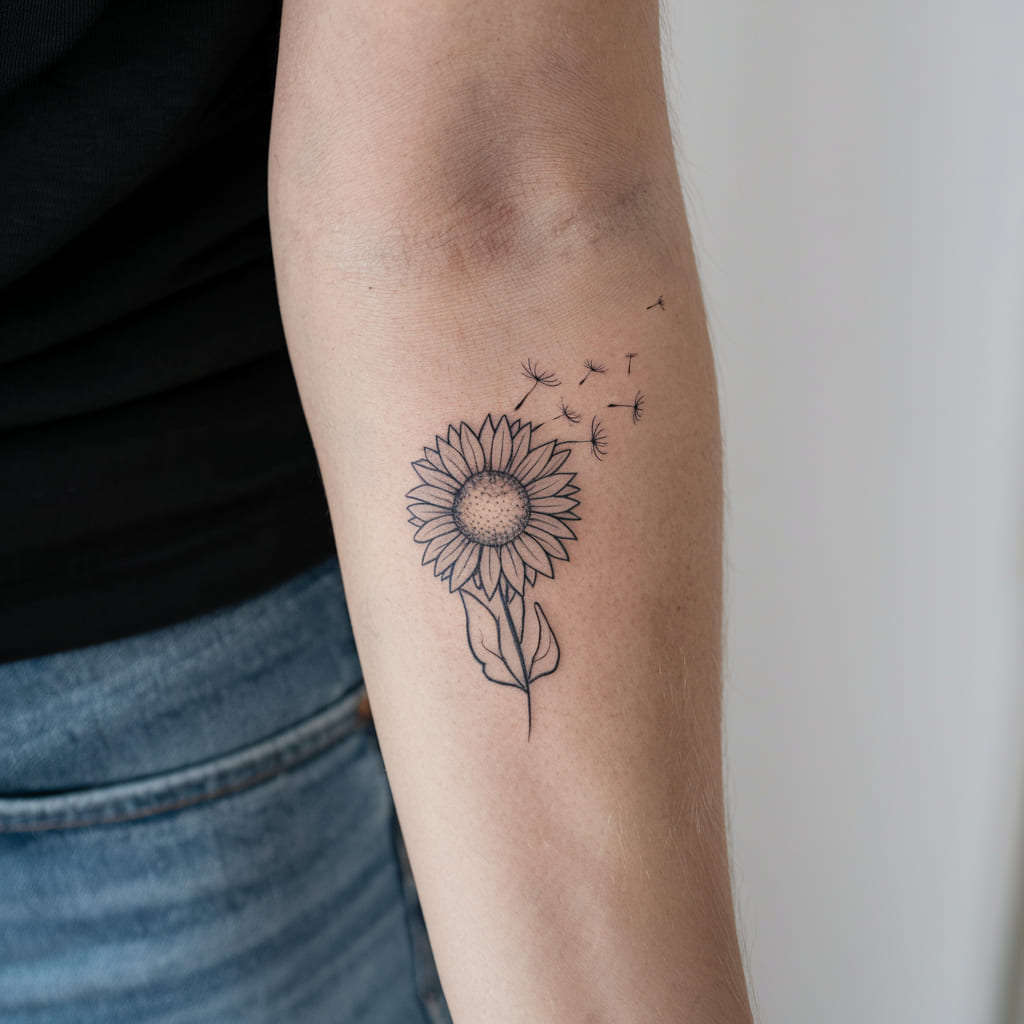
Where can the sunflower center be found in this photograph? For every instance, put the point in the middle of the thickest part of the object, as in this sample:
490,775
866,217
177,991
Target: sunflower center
491,508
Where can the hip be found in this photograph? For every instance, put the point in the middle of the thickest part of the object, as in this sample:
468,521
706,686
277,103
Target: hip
196,825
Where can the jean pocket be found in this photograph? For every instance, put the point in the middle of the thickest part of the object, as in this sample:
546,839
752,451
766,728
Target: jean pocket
261,886
195,784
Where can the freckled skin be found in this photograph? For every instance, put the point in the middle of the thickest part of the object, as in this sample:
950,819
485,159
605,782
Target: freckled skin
491,508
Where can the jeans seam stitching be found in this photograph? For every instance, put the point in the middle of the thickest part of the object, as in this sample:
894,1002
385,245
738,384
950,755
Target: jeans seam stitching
217,785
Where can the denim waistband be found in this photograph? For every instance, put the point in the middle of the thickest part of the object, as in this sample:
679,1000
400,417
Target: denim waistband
176,696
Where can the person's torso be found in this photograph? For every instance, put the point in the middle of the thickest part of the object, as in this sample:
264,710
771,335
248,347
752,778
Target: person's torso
153,456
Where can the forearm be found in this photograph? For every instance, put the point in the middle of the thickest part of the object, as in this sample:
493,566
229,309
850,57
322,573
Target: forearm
561,798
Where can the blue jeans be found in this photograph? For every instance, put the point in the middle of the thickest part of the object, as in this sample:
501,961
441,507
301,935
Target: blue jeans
196,826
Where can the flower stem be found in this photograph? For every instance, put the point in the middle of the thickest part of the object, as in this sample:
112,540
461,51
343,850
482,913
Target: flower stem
522,660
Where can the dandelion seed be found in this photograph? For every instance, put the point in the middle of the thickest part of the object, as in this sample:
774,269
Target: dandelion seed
538,376
630,356
637,405
598,440
660,302
591,367
567,414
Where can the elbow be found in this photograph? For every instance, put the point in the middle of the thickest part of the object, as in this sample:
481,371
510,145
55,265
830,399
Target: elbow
466,193
505,224
511,223
438,143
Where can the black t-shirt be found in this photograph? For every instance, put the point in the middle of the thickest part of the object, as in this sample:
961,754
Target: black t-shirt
154,460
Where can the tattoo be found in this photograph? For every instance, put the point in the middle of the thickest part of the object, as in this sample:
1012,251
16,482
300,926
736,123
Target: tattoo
660,303
538,376
567,414
493,512
630,356
591,367
637,405
597,440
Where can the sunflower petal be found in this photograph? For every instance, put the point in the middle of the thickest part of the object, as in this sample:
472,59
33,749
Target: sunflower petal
490,570
520,442
435,528
553,461
552,545
434,459
472,452
550,524
545,486
451,552
432,496
437,477
487,439
553,505
512,567
557,460
454,463
435,548
501,446
528,464
533,554
427,512
531,575
464,567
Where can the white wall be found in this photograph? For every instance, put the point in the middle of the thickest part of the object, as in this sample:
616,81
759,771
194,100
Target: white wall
855,175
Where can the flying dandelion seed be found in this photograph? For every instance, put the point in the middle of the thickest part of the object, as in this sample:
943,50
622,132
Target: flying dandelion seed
538,376
591,367
637,405
567,414
598,440
630,356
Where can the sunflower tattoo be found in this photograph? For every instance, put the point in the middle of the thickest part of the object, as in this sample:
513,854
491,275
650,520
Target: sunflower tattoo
493,512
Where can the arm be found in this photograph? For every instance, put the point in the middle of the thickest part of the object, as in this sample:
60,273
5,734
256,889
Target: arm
459,189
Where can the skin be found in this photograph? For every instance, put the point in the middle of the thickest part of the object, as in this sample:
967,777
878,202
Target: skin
456,188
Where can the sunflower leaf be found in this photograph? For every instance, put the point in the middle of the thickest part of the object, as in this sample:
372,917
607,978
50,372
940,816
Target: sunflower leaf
545,660
483,630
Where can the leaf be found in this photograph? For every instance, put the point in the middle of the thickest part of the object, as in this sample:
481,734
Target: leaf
545,660
484,632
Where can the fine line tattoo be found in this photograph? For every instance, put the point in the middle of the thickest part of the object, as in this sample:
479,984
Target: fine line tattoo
538,376
630,356
660,303
493,511
637,405
591,367
597,440
567,414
